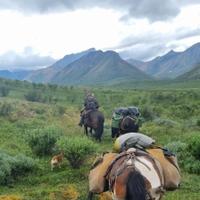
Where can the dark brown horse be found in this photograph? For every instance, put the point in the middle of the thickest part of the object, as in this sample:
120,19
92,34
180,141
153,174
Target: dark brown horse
94,119
126,125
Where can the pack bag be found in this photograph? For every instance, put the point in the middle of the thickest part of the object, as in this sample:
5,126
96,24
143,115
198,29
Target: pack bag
116,118
118,115
97,179
128,140
133,111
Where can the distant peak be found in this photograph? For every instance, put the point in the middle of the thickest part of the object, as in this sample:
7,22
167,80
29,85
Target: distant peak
171,52
91,49
113,53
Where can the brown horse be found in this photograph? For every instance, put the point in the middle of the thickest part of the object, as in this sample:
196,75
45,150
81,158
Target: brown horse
133,175
94,119
126,125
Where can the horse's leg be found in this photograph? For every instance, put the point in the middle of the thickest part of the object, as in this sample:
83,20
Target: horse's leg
90,195
85,130
91,130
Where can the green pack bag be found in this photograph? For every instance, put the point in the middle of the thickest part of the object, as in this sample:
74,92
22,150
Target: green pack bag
116,118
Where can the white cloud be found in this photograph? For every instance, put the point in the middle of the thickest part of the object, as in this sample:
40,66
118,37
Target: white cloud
84,24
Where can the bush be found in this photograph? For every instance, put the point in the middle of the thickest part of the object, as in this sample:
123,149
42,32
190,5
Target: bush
42,141
198,122
147,113
194,146
165,122
5,109
12,167
192,165
4,91
5,168
187,154
180,149
34,96
22,164
76,149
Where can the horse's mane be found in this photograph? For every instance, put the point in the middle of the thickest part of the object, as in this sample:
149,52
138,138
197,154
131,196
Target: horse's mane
135,188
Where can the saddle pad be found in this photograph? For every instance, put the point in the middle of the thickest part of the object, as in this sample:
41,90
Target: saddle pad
169,166
97,174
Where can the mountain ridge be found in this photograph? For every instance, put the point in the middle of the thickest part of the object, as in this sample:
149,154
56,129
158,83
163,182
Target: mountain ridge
172,64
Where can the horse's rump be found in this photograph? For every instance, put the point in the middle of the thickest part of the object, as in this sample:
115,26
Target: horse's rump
97,180
95,120
128,124
170,168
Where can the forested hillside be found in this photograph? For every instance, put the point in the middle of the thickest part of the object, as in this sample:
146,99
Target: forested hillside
36,118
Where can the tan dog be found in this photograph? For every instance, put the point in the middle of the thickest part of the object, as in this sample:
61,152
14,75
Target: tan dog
57,160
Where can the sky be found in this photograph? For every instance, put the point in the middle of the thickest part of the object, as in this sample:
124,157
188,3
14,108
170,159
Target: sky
36,33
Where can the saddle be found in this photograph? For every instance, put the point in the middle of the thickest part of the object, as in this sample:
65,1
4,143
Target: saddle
126,160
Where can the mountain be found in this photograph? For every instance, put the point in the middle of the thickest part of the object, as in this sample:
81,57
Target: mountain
193,74
138,63
45,75
98,67
16,75
172,64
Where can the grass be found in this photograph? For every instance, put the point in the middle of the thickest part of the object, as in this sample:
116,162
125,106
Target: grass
173,111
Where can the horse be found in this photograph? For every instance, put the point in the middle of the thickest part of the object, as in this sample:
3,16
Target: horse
94,119
171,170
126,125
133,174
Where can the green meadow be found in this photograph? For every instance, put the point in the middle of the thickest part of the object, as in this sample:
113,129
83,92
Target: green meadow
170,113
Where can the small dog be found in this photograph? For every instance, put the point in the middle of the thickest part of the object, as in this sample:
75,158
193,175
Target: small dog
57,160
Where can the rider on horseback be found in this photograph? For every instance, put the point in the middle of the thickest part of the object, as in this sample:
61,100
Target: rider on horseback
90,103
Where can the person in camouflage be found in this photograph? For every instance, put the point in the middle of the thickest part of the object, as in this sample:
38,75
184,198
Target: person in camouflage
90,103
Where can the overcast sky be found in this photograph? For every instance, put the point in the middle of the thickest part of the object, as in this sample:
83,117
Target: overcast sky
34,33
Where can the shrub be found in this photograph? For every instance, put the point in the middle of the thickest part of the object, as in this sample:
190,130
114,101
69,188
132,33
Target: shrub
198,122
165,122
34,96
4,91
22,164
42,141
5,109
192,165
5,168
187,154
76,149
194,146
147,113
12,167
180,149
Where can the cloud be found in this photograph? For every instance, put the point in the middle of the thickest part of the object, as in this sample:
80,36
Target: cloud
143,52
145,46
25,60
154,10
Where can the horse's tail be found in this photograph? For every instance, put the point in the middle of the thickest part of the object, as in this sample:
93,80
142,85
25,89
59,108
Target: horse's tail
90,195
100,127
135,188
